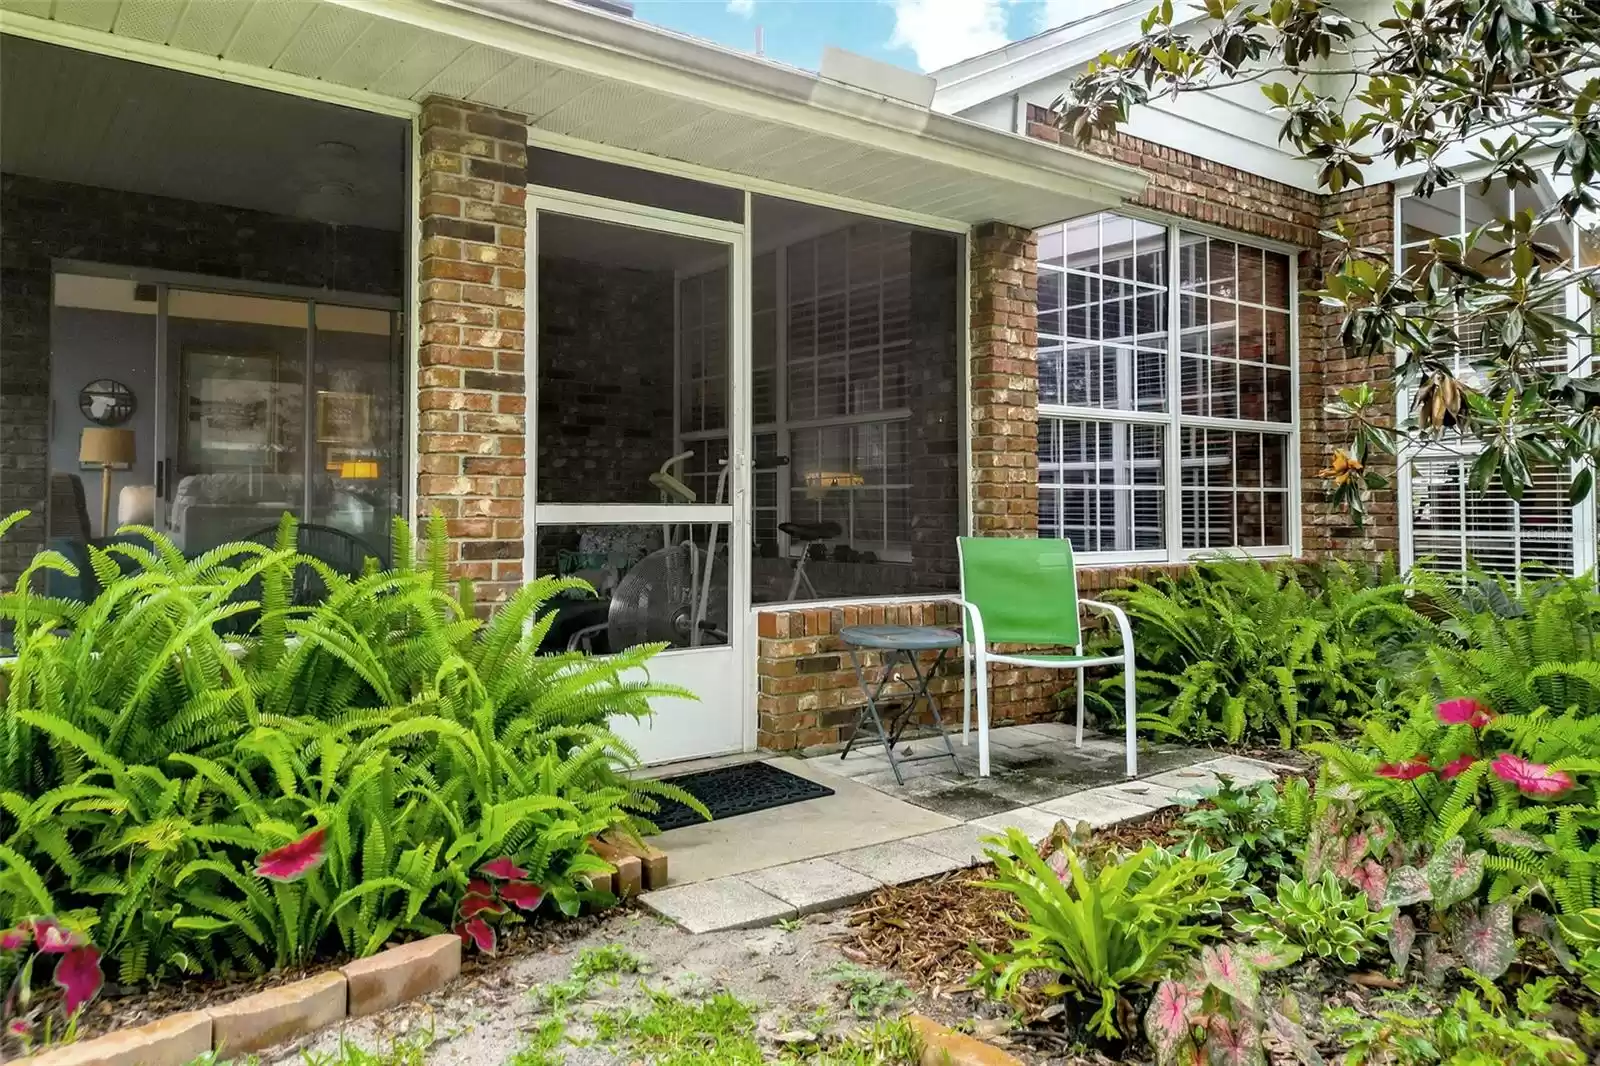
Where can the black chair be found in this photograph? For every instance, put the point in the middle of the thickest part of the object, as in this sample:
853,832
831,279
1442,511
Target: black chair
343,552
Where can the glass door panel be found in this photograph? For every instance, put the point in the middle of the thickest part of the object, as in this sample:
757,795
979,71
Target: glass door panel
237,458
636,378
358,447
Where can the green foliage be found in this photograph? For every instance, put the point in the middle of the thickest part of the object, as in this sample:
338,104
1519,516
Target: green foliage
1104,932
1319,916
870,994
1252,820
1236,650
1478,1029
155,742
1215,1013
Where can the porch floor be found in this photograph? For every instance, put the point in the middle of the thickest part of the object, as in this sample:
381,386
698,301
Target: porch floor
825,853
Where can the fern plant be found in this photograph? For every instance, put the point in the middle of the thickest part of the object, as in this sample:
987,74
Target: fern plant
156,742
1237,649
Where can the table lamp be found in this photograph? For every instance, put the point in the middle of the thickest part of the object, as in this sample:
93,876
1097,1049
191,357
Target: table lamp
109,449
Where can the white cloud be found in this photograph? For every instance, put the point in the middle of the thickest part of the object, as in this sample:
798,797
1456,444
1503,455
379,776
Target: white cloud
941,32
742,8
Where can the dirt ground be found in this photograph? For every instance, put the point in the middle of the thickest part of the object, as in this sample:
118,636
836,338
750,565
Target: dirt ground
488,1016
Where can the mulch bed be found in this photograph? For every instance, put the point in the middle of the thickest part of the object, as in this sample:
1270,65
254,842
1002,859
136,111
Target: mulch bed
123,1006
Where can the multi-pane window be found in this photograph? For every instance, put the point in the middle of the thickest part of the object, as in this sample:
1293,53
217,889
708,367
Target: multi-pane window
1448,525
1126,308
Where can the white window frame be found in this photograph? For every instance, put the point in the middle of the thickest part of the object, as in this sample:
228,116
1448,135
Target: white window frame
1173,421
1584,548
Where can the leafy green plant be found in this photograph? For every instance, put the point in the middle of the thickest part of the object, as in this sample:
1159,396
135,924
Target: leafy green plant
1236,649
869,993
1478,1029
158,743
1215,1013
1105,932
1248,818
1318,916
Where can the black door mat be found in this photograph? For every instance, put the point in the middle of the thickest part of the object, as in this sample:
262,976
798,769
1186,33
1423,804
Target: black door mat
734,790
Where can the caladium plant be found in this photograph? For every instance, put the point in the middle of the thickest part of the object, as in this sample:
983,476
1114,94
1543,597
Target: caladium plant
37,941
486,899
1214,1013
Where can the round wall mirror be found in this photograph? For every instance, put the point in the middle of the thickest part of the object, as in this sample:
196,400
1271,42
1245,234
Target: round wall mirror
105,402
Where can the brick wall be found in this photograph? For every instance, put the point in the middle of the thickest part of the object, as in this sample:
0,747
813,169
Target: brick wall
1004,377
1325,368
472,390
45,219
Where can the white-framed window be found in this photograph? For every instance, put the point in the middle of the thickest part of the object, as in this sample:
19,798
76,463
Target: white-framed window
1445,524
1131,469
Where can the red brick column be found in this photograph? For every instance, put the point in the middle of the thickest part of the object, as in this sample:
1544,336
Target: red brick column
471,386
1326,368
1004,379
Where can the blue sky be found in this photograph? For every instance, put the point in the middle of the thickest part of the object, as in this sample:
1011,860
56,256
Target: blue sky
917,34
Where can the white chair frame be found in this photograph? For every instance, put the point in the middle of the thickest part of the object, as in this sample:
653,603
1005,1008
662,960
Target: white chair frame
977,656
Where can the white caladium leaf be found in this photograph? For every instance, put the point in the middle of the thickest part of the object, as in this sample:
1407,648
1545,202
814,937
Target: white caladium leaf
1454,874
1408,885
1170,1018
1485,940
1402,935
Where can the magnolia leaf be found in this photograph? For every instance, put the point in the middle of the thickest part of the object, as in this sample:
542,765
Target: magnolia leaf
1169,1020
1223,969
1453,874
1485,941
1408,885
1402,935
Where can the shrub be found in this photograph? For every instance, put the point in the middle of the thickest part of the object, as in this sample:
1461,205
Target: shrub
1105,932
1318,916
1236,650
1479,1028
1252,820
158,742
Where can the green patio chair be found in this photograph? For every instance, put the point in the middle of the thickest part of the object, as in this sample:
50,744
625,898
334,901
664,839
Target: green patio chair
1024,591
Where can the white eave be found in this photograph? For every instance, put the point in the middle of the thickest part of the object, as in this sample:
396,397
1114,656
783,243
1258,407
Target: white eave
594,77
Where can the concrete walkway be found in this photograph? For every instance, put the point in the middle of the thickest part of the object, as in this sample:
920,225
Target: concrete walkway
826,853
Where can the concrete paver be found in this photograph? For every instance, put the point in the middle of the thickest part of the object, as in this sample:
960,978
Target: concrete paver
897,862
813,884
725,903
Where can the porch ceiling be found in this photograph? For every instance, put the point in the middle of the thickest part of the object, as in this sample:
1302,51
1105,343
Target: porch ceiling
613,81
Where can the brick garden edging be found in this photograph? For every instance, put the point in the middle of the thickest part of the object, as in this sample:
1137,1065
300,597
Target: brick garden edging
943,1046
276,1015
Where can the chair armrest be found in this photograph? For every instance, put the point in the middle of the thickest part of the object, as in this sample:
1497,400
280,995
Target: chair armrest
1118,615
974,616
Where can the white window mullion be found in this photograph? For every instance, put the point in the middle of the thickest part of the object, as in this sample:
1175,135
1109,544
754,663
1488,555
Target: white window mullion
1172,434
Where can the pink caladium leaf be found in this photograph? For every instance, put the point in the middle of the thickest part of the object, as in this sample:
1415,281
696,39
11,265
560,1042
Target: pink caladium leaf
1225,971
1292,1034
21,1028
1485,941
1350,854
522,894
1268,957
479,887
1516,838
1457,766
1402,935
1408,885
16,939
1534,779
1169,1020
1454,874
1464,711
78,974
474,905
477,933
1372,879
503,869
1236,1043
296,859
54,939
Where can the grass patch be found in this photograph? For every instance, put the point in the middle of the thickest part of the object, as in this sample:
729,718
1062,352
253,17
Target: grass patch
870,994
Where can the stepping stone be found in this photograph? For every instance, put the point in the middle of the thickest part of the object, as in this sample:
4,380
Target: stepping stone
1188,783
813,884
1035,824
897,862
1243,771
1099,807
1144,793
722,903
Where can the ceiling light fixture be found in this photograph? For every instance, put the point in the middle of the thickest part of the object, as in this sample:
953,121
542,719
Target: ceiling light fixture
336,150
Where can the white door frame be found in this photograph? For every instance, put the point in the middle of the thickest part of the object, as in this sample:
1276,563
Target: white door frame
724,720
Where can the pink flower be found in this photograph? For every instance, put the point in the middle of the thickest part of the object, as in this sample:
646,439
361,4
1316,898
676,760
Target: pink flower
471,906
1464,711
53,939
1533,778
16,939
523,894
503,869
78,974
293,861
1456,767
19,1027
1406,769
478,932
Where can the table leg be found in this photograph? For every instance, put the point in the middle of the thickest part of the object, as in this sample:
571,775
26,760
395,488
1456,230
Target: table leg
890,660
923,681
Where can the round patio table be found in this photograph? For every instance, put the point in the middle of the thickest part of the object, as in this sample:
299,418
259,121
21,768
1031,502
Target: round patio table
898,642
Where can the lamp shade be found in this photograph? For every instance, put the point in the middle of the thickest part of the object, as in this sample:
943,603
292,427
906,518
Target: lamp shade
106,447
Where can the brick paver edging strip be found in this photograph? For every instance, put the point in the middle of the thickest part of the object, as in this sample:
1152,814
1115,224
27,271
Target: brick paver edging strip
276,1015
942,1046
